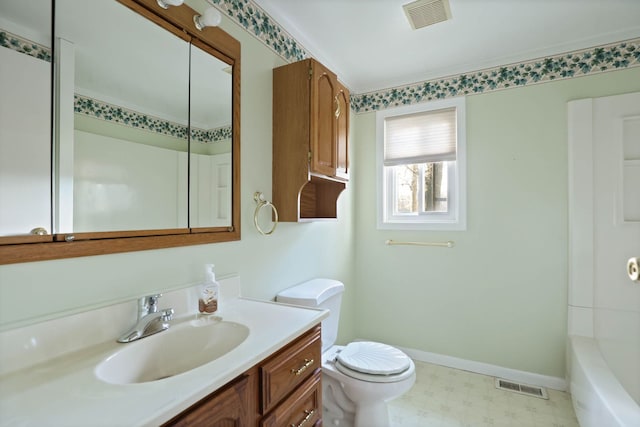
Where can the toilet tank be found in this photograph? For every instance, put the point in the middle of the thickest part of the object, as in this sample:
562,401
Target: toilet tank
318,293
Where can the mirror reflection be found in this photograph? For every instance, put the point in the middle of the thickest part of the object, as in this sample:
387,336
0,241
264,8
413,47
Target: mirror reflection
135,137
122,160
210,163
25,117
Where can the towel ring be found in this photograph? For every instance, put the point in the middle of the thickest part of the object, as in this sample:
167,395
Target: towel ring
260,200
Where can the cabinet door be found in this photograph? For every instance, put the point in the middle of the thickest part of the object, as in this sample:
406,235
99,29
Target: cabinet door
323,120
342,129
226,408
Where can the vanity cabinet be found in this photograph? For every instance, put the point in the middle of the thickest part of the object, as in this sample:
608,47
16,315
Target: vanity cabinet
310,141
284,389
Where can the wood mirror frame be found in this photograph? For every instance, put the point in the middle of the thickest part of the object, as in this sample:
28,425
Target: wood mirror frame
179,21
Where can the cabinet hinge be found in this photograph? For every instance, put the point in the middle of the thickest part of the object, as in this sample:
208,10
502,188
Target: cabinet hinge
309,157
310,72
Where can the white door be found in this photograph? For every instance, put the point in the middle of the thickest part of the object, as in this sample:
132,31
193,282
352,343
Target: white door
616,234
210,190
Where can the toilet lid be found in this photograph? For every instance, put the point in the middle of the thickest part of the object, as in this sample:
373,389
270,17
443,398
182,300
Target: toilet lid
373,358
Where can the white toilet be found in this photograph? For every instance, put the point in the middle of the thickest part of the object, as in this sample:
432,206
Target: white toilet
357,379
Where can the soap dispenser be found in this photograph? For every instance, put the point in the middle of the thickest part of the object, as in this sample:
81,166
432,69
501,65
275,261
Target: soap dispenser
209,292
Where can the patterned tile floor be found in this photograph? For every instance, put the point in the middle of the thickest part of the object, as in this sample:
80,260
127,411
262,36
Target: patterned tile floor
445,397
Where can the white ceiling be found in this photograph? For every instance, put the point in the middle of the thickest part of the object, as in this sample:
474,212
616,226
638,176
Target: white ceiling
371,46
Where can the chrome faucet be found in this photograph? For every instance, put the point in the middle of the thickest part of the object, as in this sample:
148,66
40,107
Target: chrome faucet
150,319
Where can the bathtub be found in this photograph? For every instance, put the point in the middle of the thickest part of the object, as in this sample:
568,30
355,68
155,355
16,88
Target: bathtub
598,398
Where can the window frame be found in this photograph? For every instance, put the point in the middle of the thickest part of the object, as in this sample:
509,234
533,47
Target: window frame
455,218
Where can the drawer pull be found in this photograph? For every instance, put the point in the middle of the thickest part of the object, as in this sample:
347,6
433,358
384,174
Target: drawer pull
308,414
307,363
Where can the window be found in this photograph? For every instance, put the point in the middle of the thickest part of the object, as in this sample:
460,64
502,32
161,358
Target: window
421,166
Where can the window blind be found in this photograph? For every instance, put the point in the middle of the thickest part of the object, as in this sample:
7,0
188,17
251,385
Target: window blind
420,138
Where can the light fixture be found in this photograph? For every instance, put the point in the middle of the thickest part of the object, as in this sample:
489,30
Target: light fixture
166,3
210,18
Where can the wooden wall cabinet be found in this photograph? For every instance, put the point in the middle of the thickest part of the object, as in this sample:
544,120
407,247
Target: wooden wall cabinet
310,141
282,390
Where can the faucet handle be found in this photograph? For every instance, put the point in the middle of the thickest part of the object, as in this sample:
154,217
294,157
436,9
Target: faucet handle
167,314
148,304
153,299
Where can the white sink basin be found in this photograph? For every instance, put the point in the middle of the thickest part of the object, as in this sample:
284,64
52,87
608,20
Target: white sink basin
179,349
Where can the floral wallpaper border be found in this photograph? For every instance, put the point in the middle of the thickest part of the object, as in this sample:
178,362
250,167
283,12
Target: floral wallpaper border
609,57
22,45
575,64
112,113
257,22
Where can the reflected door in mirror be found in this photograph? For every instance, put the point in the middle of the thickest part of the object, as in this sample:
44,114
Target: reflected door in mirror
211,141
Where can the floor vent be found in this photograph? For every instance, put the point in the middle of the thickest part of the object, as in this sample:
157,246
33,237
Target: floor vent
529,390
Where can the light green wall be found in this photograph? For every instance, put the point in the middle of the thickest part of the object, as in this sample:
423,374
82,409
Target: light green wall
295,252
500,295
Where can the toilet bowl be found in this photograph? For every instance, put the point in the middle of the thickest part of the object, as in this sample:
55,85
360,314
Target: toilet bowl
364,397
357,379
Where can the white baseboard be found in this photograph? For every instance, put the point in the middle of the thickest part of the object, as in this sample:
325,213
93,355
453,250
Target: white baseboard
487,369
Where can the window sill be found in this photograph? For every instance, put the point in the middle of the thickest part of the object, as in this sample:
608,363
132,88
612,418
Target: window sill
423,226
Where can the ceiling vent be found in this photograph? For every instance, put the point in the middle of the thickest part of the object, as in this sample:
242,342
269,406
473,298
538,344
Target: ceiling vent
422,13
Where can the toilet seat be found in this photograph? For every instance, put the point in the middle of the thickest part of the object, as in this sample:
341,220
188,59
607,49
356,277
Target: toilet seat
373,362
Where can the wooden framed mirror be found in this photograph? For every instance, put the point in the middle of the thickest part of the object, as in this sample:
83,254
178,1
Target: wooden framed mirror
146,136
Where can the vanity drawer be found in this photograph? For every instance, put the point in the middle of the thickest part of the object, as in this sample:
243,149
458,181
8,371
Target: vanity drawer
289,368
302,408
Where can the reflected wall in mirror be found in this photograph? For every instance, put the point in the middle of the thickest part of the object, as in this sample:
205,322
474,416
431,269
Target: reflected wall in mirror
25,119
125,122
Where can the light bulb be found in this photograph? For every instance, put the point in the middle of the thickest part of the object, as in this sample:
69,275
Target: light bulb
166,3
210,18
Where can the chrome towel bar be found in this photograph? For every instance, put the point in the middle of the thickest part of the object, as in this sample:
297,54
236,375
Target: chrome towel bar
447,244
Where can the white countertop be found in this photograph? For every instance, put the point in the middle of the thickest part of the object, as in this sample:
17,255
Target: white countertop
66,392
